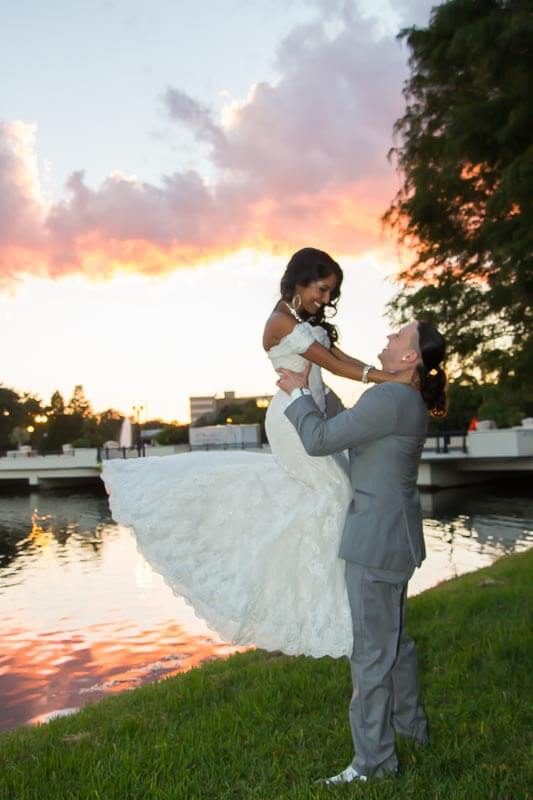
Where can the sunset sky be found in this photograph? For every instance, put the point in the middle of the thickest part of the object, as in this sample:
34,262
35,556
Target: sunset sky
159,163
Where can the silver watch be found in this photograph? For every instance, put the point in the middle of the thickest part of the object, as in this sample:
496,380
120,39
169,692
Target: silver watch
366,370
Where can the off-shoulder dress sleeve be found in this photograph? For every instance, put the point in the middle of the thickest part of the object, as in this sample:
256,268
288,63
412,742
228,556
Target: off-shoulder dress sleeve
298,340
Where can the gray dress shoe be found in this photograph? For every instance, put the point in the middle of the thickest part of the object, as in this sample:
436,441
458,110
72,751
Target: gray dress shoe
348,775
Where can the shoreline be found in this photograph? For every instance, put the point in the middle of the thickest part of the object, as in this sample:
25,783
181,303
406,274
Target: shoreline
236,727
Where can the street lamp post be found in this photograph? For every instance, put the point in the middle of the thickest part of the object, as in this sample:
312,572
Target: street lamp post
41,420
137,411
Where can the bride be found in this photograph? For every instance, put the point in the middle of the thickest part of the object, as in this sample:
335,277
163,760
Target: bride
250,540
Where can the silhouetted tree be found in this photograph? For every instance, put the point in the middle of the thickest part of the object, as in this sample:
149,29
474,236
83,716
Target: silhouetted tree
173,434
465,206
109,424
57,404
78,403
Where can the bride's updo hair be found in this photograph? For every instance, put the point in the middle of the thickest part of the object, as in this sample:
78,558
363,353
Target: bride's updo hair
305,266
433,379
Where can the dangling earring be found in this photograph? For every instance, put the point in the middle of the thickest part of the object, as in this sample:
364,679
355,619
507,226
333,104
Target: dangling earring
332,311
293,307
296,306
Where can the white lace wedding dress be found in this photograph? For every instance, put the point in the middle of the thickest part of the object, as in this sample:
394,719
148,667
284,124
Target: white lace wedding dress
250,540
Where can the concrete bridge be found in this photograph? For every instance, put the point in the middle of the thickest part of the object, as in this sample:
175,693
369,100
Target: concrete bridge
476,457
451,460
74,467
71,468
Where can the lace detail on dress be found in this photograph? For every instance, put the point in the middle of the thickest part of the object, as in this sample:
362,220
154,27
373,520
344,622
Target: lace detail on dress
287,353
250,540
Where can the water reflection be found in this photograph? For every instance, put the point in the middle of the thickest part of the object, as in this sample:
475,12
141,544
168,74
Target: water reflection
82,615
492,521
58,515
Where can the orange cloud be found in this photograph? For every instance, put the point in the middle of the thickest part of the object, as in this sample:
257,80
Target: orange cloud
301,161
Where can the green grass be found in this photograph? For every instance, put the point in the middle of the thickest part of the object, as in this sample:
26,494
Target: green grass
265,726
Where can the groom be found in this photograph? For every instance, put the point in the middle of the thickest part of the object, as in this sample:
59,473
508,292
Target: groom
382,543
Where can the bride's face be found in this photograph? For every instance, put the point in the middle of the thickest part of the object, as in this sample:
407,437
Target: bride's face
317,293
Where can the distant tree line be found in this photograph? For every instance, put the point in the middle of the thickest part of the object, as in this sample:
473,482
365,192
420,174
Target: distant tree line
26,419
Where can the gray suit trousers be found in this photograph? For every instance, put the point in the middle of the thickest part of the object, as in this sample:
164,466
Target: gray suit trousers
386,694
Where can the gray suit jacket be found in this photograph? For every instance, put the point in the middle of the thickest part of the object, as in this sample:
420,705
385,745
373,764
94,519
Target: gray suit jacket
384,433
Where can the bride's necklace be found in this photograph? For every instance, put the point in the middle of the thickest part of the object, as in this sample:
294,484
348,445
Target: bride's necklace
292,311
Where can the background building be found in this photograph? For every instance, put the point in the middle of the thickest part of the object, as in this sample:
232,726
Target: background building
210,406
201,407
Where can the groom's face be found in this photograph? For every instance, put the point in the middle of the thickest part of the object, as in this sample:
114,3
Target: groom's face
401,350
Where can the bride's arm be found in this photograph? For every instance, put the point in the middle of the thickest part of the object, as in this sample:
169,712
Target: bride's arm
280,325
351,368
337,352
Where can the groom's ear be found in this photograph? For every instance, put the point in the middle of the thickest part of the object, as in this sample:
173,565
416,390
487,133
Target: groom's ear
410,358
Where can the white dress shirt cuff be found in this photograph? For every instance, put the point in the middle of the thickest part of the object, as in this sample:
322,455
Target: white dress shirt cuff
296,393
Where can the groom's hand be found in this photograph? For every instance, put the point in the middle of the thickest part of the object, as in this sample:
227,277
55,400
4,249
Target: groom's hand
290,380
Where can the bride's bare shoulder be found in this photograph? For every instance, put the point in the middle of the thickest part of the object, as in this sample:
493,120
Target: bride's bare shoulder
277,326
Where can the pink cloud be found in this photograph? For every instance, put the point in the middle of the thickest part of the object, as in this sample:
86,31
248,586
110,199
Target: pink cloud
300,161
20,203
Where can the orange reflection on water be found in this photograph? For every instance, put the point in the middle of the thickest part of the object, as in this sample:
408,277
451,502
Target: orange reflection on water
38,536
82,615
40,676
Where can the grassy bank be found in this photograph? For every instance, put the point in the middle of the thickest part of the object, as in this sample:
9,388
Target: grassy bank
265,726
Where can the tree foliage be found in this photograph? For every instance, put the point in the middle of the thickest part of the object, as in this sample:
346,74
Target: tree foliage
173,434
57,404
465,156
55,424
17,413
78,403
109,424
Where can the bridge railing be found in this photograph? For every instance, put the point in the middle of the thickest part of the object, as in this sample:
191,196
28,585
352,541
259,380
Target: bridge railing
32,453
107,453
446,442
438,442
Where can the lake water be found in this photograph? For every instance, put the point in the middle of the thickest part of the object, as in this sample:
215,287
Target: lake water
82,615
